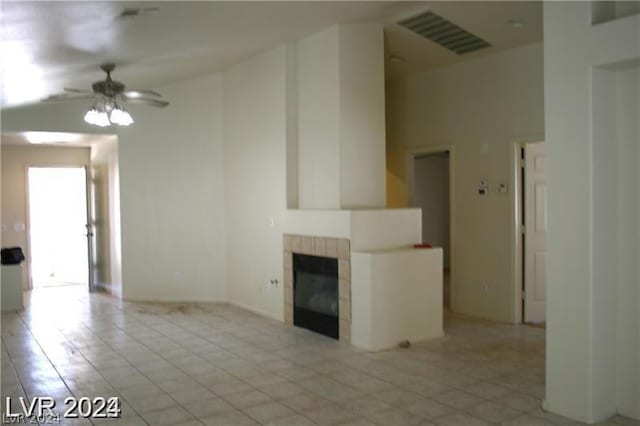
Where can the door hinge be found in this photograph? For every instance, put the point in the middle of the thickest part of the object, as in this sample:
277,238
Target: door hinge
523,230
523,295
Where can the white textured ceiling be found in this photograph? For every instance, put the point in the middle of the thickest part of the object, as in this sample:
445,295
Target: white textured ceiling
47,46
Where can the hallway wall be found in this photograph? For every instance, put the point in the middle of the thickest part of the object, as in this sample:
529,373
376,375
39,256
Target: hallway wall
479,109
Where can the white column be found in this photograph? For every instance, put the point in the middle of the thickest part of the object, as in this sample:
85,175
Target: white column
592,335
341,118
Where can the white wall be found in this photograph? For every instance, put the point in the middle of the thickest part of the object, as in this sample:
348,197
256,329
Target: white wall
431,193
341,118
318,78
362,116
478,109
591,114
605,250
628,220
385,228
171,194
292,93
15,160
255,180
106,185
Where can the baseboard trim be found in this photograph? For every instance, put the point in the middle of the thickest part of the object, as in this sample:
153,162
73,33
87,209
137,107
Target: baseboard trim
256,311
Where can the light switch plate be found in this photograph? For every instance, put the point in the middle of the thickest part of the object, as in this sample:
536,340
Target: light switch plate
483,187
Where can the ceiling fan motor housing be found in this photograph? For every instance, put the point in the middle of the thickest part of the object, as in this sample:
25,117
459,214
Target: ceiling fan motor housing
108,87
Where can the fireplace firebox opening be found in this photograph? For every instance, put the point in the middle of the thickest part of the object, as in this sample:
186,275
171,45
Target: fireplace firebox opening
315,294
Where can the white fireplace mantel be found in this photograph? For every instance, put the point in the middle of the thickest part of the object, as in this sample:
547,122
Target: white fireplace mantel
367,229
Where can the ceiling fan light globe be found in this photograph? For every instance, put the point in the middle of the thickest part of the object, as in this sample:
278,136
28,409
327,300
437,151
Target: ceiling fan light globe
121,117
96,118
102,119
90,116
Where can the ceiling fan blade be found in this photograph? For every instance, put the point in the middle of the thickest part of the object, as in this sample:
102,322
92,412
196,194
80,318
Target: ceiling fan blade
141,93
146,101
68,97
72,90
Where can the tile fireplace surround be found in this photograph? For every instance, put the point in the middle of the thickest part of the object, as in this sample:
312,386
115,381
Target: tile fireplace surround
337,248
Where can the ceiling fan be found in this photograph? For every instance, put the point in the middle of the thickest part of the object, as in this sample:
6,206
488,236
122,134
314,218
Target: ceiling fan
110,95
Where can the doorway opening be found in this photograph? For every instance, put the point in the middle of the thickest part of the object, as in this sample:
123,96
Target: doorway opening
532,231
59,248
432,193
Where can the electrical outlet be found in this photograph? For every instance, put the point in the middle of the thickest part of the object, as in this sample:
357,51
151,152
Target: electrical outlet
484,288
177,276
273,283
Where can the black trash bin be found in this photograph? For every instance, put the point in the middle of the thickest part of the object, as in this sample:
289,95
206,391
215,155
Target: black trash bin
12,255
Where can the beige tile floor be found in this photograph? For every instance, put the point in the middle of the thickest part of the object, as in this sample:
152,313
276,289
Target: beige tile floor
221,365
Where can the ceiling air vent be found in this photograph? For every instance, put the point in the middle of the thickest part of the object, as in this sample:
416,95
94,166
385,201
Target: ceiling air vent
437,29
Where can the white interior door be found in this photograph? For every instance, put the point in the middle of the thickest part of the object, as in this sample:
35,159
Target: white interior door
535,246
